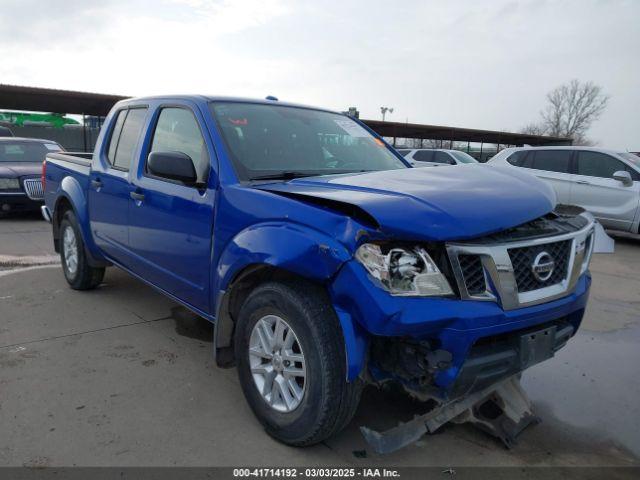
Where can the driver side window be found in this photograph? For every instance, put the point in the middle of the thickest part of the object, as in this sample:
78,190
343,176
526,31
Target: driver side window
177,130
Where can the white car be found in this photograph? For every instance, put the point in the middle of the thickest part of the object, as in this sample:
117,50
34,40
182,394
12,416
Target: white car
429,157
604,182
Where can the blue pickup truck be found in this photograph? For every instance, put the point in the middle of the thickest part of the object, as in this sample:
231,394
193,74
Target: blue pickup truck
323,259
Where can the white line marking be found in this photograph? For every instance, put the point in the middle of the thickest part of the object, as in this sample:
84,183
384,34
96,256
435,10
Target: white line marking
27,260
4,273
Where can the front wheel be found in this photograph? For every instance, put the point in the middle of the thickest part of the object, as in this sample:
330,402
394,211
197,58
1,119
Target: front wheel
291,363
79,274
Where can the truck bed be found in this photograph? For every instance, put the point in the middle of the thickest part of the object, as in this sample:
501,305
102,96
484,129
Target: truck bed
76,158
61,165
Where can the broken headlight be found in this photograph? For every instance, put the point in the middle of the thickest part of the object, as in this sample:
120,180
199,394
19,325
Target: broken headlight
404,270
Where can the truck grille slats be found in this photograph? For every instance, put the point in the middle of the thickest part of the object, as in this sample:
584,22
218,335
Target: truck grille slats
524,271
33,188
523,258
473,274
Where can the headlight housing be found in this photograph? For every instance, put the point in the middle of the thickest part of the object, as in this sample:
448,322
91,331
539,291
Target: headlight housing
9,184
404,271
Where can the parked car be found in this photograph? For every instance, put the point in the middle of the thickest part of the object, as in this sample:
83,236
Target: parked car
425,157
20,169
604,182
324,260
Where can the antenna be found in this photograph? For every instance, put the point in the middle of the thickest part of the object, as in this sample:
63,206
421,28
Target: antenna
384,111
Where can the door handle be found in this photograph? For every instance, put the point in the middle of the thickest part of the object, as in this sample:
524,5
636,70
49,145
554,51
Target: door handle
138,197
583,182
96,184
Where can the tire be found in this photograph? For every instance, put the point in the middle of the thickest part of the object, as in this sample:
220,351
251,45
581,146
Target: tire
77,271
328,401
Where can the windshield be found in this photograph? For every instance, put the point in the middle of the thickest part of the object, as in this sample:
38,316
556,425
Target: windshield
463,157
632,157
26,151
273,141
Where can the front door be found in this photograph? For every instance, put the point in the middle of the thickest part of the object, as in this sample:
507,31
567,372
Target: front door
171,224
109,186
611,202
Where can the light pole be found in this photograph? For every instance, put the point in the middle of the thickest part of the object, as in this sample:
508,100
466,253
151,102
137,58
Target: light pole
384,111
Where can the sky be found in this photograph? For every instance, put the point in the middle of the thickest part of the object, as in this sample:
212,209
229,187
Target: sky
467,63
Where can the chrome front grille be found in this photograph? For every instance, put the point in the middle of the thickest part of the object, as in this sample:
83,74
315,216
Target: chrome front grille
523,258
473,274
33,188
524,272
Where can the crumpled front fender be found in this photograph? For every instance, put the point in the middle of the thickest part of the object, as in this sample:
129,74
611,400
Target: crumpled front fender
292,247
300,250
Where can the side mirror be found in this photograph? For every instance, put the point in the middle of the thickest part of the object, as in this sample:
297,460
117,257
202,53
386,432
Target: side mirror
173,166
624,178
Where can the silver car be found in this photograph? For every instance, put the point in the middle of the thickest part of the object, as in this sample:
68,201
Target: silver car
431,157
605,182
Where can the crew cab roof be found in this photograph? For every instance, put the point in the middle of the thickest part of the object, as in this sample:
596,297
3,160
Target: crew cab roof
218,98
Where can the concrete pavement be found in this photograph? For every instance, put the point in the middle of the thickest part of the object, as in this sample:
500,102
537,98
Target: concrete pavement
123,376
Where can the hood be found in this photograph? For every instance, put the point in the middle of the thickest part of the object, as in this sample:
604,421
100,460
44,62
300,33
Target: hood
19,169
445,203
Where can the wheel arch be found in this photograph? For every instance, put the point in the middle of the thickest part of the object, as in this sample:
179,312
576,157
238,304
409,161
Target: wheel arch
72,197
231,300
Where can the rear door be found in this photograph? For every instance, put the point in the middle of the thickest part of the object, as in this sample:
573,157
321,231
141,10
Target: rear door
611,202
171,224
109,184
554,166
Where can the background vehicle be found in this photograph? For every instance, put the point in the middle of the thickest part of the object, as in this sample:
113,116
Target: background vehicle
316,250
20,169
424,157
604,182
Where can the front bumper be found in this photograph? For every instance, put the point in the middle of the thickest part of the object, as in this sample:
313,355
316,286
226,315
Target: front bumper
455,325
18,202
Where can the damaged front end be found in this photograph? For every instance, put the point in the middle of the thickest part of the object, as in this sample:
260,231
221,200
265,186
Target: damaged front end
502,410
486,393
457,323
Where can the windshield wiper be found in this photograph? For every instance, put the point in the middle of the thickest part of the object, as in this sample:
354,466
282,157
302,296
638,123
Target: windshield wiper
289,175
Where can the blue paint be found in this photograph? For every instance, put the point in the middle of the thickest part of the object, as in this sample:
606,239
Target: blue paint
192,243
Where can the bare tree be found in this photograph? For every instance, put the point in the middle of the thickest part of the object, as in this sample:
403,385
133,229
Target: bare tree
534,129
571,110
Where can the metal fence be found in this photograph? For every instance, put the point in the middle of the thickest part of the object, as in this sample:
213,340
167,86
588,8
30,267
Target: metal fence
74,138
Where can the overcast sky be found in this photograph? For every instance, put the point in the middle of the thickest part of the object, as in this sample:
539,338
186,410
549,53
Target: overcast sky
479,64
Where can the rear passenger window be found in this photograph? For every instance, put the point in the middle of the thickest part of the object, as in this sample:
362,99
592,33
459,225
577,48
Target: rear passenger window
595,164
423,156
517,158
125,136
115,136
552,160
177,130
404,152
441,157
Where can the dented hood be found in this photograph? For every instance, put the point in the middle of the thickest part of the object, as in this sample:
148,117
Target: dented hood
444,203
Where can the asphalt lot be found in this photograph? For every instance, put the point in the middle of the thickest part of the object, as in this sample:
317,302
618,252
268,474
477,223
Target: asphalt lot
123,376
